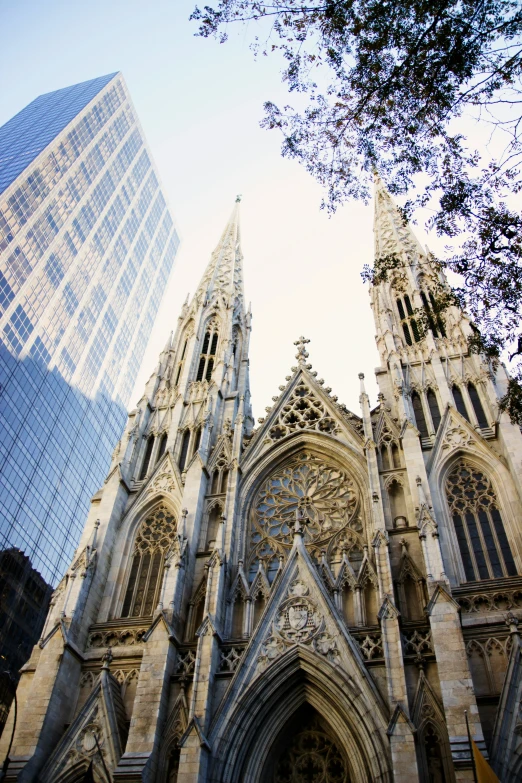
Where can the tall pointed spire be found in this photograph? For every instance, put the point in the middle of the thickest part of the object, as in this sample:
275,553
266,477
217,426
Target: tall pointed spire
224,273
392,237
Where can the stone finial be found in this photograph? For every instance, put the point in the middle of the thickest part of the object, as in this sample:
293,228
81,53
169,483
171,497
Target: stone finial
107,659
184,512
238,198
302,353
512,623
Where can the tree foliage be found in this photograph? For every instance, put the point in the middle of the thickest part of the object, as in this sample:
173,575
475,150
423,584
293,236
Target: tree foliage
392,85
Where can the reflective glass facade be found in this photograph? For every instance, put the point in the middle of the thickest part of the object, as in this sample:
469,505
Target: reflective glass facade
87,245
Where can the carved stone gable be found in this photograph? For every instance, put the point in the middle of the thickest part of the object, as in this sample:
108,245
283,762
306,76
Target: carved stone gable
298,621
303,411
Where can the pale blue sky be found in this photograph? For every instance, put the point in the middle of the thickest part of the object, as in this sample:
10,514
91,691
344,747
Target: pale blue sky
200,105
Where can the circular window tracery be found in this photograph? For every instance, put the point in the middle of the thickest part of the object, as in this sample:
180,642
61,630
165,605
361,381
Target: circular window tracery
324,497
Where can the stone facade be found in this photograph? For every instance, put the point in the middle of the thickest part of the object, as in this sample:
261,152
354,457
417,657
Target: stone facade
319,598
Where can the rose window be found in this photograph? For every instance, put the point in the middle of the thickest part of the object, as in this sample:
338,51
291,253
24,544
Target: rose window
322,497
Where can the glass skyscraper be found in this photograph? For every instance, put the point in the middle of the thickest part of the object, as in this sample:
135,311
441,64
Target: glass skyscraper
87,244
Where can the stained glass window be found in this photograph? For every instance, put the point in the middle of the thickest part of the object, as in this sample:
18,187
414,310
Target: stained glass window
481,536
156,535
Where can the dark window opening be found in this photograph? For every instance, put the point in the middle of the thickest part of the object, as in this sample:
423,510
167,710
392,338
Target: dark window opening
434,409
184,450
420,419
477,405
197,440
163,446
459,402
146,458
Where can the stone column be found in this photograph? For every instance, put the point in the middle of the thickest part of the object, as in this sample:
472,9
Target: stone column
139,762
44,701
455,680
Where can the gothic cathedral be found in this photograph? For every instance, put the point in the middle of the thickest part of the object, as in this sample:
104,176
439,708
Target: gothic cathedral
318,599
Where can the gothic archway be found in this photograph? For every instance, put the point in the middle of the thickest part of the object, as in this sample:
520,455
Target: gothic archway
306,751
351,715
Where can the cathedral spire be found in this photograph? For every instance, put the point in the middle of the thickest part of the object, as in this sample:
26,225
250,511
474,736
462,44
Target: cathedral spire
223,276
392,237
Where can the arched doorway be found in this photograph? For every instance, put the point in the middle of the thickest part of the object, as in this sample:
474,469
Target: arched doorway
251,732
306,751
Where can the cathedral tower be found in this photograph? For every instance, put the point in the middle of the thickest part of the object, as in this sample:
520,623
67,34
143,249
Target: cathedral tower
318,598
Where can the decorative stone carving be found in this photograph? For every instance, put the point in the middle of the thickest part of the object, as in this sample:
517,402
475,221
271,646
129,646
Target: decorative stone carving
116,637
157,531
418,642
456,437
186,663
499,601
371,646
323,496
163,482
298,622
229,658
303,411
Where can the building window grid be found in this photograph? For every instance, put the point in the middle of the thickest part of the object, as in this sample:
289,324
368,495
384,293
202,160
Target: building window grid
49,545
109,272
88,213
39,288
27,198
14,215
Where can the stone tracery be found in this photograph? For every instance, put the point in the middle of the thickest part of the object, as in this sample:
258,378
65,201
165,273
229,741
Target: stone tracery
302,411
324,498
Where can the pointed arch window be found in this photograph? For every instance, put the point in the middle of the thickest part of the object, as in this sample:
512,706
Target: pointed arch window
410,326
420,418
477,406
162,446
156,536
180,363
218,485
184,450
146,459
435,322
481,536
197,440
208,353
433,405
459,401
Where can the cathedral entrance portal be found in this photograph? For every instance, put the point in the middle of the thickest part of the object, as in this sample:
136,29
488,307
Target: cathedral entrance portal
306,751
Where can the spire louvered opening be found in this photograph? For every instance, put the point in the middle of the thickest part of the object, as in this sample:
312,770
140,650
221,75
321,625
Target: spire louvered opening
184,450
434,409
477,406
420,418
208,352
410,327
180,363
162,446
459,401
435,322
197,440
146,459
